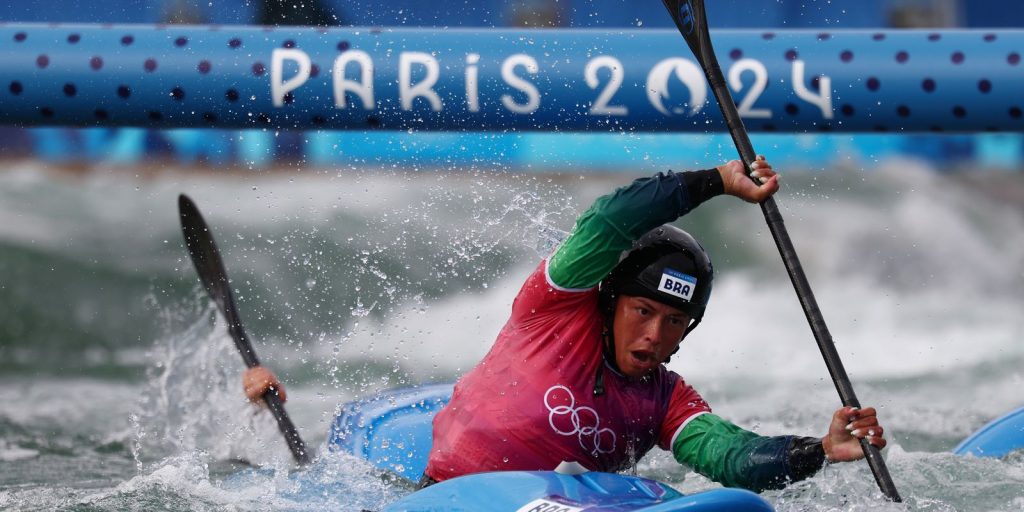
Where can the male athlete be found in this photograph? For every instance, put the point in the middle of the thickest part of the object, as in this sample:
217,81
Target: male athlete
577,374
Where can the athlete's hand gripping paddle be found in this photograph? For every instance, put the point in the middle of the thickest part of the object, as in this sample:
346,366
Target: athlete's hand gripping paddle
689,16
207,260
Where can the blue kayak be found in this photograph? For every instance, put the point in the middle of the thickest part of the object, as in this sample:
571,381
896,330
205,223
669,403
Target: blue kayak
996,439
393,431
549,491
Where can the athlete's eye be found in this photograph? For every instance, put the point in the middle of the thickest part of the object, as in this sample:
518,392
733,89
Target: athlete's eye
675,321
642,310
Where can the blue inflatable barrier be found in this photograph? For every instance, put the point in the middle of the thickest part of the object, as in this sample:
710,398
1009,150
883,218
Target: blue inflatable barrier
501,80
996,439
393,430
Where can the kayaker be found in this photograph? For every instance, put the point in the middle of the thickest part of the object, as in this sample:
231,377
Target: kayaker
577,374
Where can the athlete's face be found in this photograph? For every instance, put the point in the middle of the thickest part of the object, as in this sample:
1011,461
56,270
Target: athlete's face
646,333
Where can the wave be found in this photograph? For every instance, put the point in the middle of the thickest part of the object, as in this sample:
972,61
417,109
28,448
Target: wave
363,260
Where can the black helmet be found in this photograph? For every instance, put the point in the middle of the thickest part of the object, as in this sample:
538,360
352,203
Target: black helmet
666,265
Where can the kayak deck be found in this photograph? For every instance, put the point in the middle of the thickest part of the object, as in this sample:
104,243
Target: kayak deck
549,491
997,438
393,430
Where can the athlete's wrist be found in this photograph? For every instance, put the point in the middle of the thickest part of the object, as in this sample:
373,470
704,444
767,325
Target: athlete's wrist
700,186
826,446
806,456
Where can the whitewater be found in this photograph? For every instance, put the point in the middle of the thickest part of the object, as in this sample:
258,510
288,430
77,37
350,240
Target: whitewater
120,388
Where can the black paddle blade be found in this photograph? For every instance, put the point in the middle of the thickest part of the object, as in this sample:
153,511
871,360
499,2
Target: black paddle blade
208,263
692,22
690,19
206,258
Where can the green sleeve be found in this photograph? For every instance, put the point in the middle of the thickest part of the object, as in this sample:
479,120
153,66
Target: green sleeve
735,457
615,220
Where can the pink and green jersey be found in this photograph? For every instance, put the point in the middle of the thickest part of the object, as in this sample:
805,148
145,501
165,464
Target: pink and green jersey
530,404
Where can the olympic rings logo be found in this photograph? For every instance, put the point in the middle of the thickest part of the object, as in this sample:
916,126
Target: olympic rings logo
585,422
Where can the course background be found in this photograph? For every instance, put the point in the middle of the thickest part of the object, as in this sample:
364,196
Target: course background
369,259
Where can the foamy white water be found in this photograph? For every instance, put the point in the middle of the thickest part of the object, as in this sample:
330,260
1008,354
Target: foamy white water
123,390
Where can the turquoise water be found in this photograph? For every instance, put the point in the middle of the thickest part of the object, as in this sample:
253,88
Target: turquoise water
119,387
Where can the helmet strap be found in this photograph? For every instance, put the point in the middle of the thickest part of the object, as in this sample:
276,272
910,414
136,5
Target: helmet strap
692,326
608,352
608,348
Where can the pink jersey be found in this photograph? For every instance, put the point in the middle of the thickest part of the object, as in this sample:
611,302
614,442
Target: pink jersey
530,403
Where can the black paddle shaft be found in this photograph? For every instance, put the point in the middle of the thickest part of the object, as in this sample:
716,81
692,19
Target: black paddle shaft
691,20
208,263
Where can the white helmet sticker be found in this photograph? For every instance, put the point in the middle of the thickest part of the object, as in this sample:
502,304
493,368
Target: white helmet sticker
677,283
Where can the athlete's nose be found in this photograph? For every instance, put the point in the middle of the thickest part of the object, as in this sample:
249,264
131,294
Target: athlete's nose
653,330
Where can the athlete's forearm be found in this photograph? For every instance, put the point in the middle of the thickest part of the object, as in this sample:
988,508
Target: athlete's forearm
615,220
735,457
